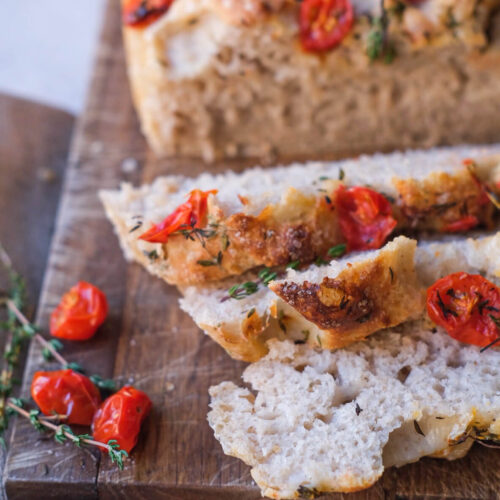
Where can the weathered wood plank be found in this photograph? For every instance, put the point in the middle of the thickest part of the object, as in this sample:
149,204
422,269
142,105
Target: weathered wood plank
150,343
34,143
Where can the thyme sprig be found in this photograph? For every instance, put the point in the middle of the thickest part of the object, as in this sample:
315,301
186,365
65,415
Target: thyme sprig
247,288
377,44
51,348
17,335
63,433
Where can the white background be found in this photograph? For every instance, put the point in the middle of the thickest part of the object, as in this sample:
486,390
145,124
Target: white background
47,49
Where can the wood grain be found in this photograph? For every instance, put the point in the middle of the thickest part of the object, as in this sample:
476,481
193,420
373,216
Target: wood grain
34,143
150,343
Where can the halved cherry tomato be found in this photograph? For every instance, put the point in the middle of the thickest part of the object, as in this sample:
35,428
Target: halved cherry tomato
365,217
80,313
186,216
463,224
324,23
467,306
140,13
66,392
120,417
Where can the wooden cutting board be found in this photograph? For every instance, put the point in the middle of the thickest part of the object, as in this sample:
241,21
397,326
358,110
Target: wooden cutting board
151,344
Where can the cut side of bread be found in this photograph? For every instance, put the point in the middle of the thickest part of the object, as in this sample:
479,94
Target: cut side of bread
218,79
242,327
270,217
316,421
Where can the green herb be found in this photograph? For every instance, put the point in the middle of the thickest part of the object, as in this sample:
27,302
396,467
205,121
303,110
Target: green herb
196,233
324,178
281,324
497,340
320,261
63,432
309,493
318,338
47,351
358,409
152,255
216,261
104,384
75,367
337,250
293,265
116,454
341,174
225,242
445,310
266,276
392,274
377,43
451,21
251,312
136,227
239,292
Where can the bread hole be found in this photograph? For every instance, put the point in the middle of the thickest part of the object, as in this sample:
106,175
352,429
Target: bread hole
403,373
312,385
438,388
249,397
325,419
454,363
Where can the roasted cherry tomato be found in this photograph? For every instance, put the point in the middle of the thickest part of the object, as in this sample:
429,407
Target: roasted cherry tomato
186,216
120,417
365,217
324,23
66,392
464,224
467,306
80,313
140,13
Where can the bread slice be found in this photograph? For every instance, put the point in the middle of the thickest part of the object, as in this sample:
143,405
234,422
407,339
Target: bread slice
315,421
269,217
226,78
377,297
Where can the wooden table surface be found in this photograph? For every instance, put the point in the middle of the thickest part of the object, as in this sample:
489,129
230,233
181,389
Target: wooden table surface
34,144
149,342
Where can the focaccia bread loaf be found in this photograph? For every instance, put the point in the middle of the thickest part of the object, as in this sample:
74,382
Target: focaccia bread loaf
227,78
340,303
314,421
270,217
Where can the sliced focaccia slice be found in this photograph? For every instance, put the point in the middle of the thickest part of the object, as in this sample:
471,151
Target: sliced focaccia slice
338,303
192,230
315,421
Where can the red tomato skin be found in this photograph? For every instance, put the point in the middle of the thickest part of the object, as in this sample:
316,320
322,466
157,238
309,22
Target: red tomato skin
80,313
464,224
142,13
324,23
365,217
120,417
465,314
186,216
67,393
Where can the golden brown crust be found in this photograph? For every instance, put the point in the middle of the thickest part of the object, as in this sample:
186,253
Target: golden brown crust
440,200
271,238
247,345
365,297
